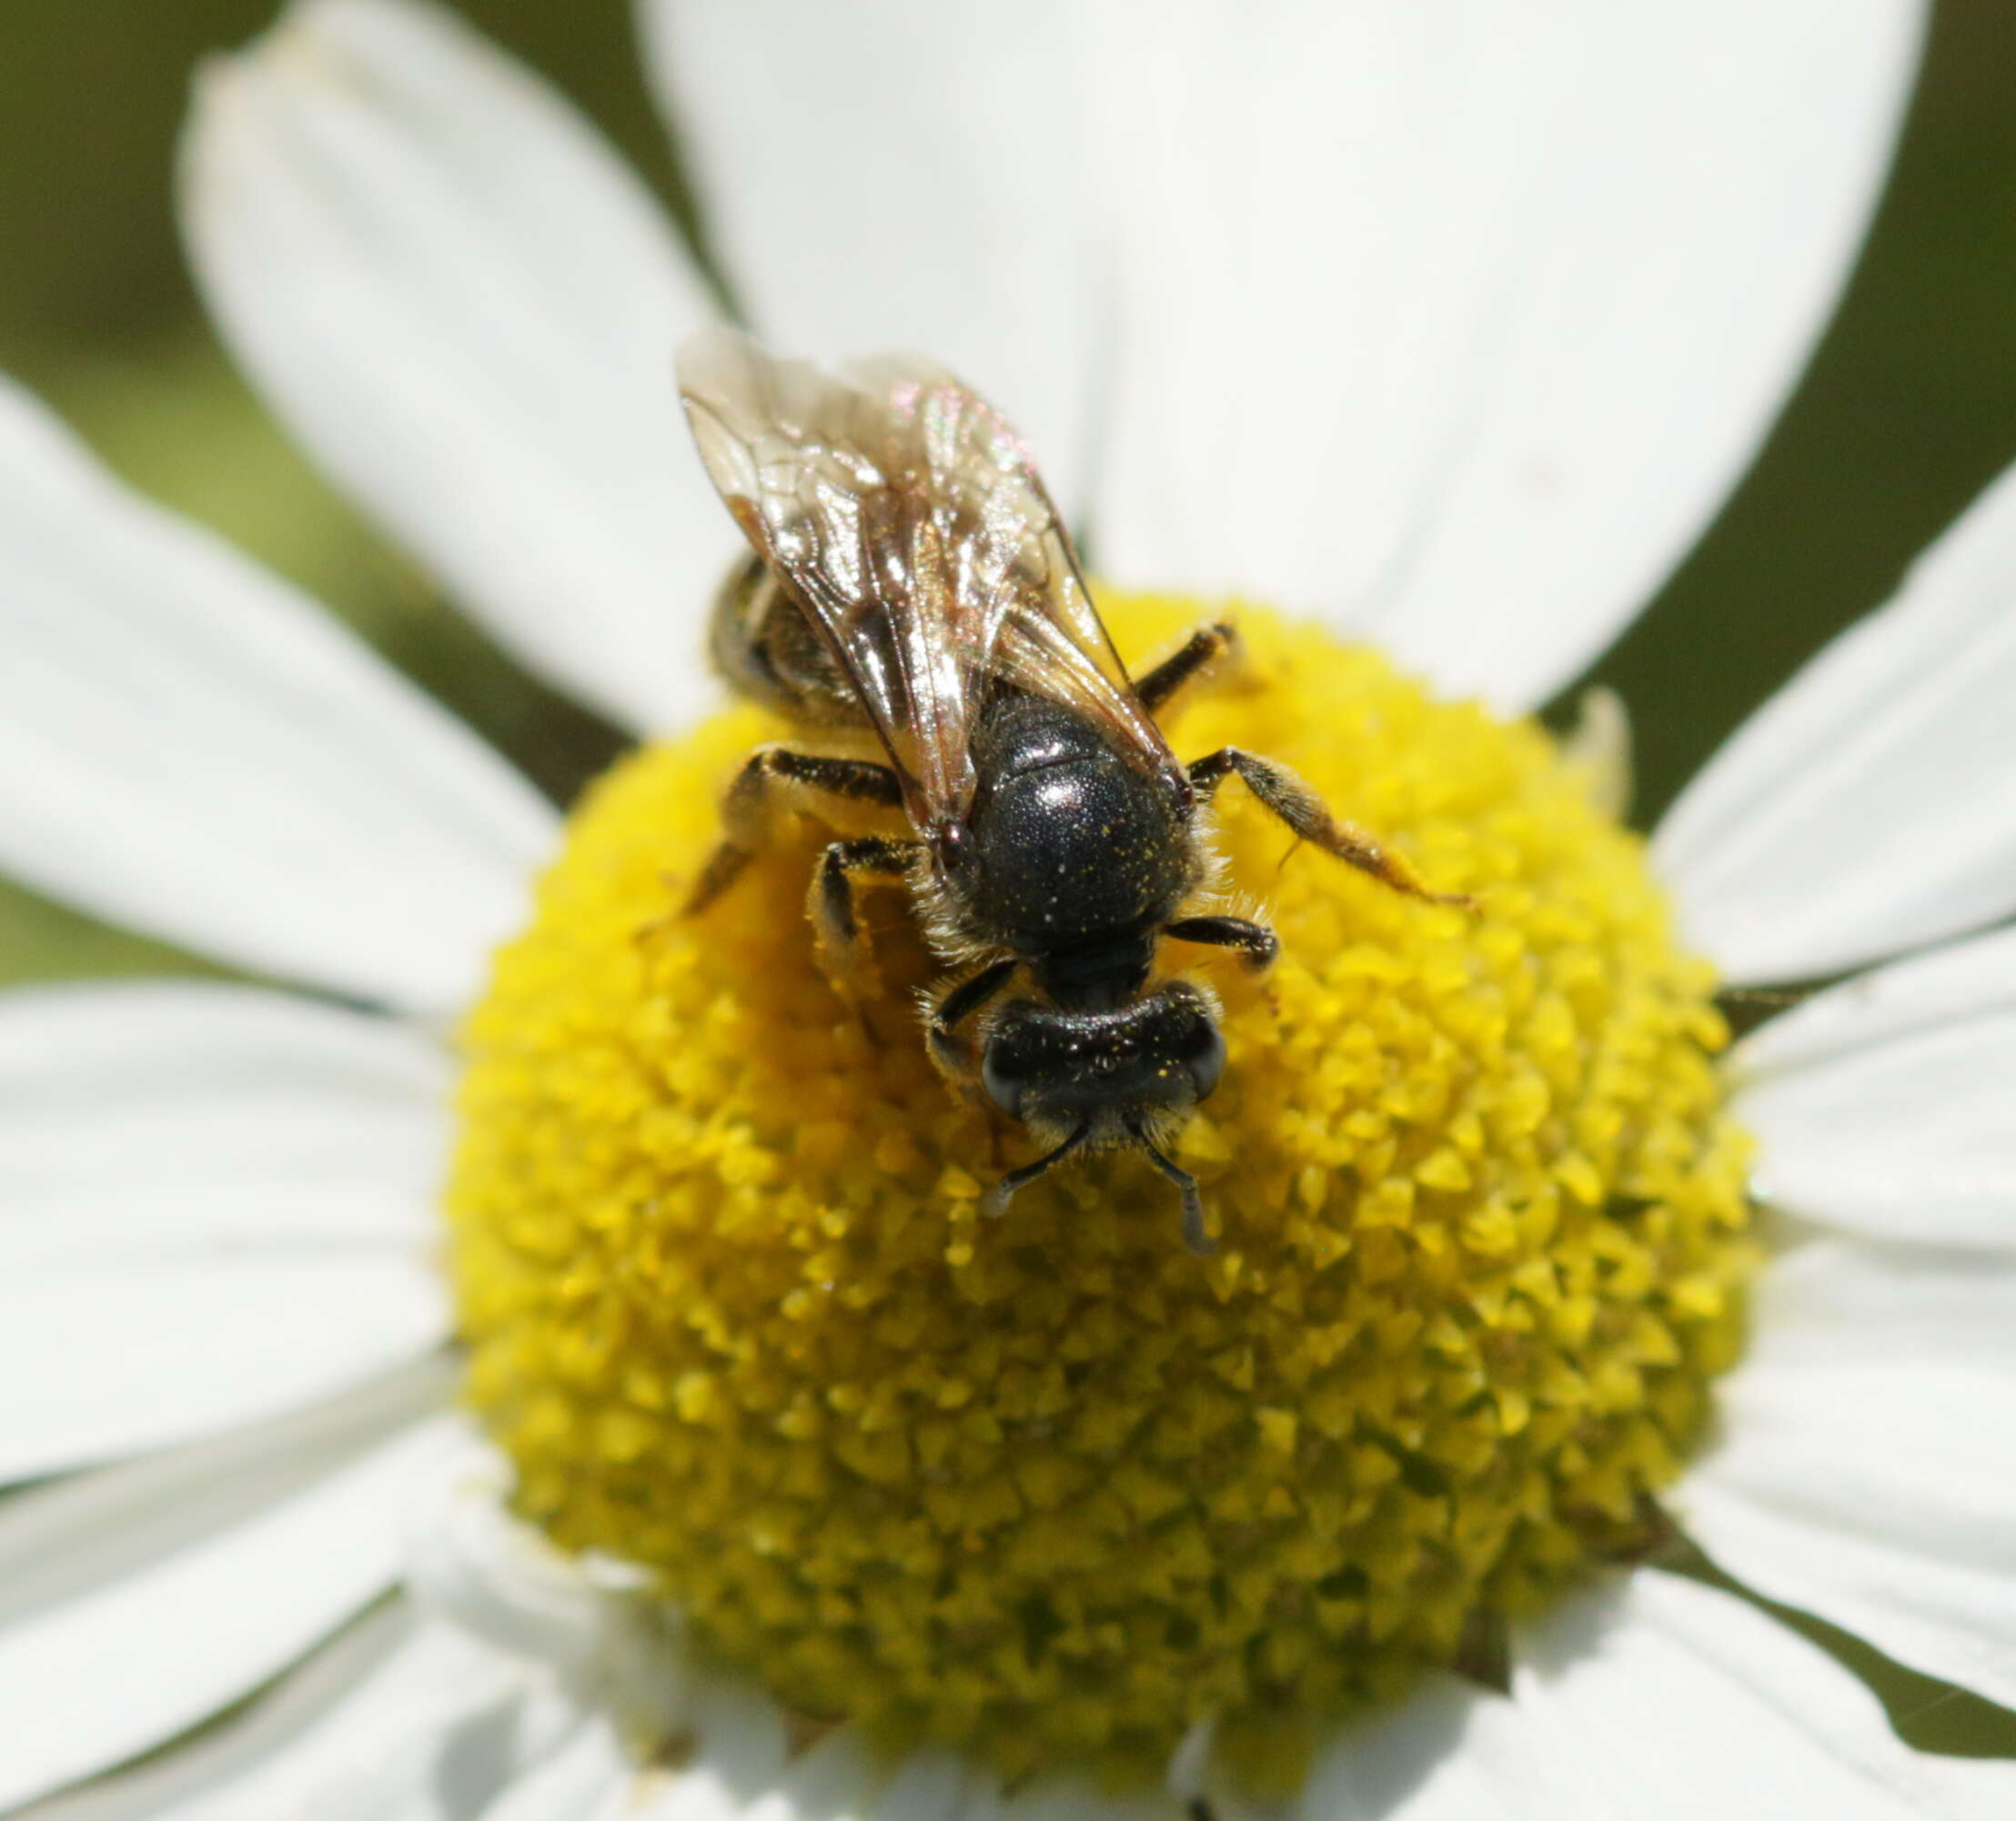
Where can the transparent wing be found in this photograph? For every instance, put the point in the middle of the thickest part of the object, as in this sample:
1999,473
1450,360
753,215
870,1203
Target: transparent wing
905,514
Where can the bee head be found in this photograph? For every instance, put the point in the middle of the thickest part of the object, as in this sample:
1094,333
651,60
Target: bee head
1104,1079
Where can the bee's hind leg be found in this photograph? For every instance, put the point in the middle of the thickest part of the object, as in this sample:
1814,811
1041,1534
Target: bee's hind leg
1304,811
777,777
1198,653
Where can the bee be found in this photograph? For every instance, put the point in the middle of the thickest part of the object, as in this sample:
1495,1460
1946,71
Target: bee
913,605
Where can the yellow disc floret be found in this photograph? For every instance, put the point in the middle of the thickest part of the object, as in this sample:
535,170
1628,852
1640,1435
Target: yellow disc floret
1051,1485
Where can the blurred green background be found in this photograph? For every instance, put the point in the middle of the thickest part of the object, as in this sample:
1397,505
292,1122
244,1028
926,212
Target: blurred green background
1909,408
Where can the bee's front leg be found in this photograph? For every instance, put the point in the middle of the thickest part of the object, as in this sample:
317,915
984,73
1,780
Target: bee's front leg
951,1052
775,778
843,945
1257,945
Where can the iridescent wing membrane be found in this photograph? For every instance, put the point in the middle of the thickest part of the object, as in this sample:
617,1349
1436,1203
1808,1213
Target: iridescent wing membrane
904,514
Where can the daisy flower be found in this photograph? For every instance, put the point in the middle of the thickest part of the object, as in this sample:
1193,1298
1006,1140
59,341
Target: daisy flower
793,1489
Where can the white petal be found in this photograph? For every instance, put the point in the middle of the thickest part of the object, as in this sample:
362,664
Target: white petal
215,1203
937,1785
896,174
142,1600
1063,1800
1848,1303
192,748
97,1365
742,1769
1446,1752
1884,1105
395,1720
119,1099
1682,1700
1455,322
466,306
1867,807
472,1563
1459,322
1865,1469
740,1758
1663,1700
497,1578
590,1776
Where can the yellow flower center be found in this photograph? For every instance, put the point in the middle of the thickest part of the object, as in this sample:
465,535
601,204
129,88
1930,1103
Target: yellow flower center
1051,1485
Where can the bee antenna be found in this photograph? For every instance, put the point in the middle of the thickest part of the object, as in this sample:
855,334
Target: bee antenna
1194,1233
995,1200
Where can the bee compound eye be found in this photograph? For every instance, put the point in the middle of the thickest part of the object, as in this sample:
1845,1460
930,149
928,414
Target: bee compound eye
1206,1058
1003,1074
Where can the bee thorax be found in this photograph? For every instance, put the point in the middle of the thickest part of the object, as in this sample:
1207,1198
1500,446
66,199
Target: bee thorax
1072,847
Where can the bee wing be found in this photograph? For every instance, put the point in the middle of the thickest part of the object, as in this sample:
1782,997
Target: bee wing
905,514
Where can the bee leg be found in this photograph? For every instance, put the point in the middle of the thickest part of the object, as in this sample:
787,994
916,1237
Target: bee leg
1302,810
844,950
1197,654
952,1052
774,776
1257,945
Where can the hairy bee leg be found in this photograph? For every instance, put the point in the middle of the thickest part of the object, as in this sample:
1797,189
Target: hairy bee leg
843,951
1197,653
772,777
952,1052
1257,945
1303,811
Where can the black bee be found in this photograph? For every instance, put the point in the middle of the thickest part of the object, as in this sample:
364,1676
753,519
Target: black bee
916,607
